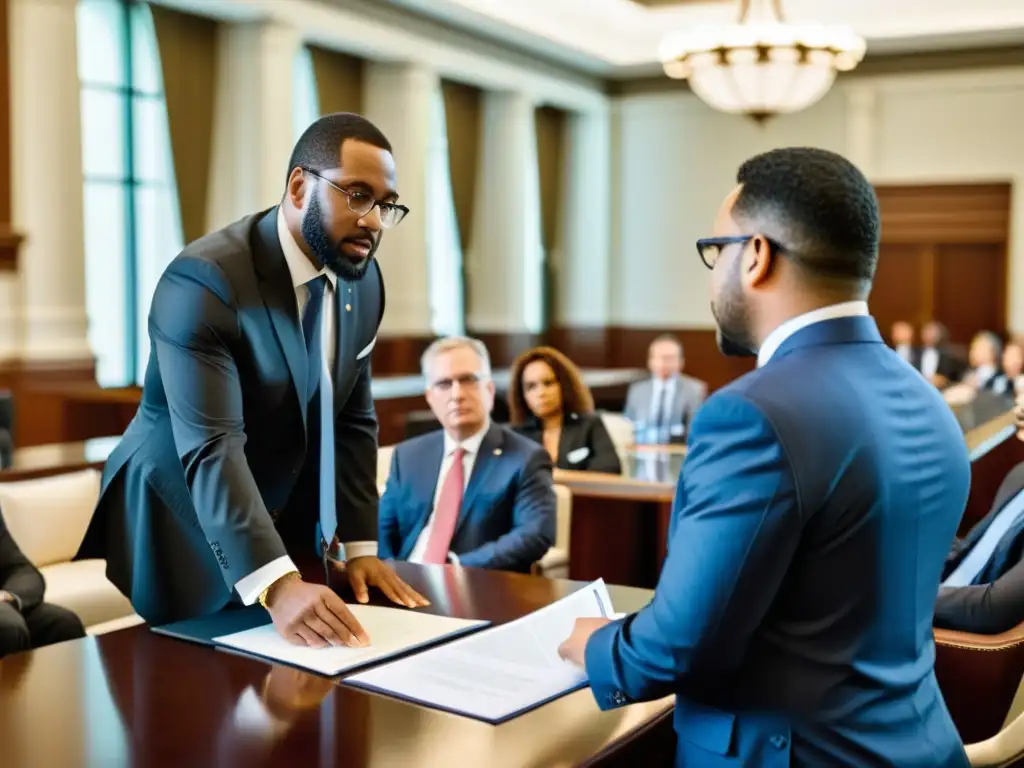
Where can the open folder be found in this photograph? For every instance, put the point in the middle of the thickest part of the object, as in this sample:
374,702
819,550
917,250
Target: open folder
392,631
497,674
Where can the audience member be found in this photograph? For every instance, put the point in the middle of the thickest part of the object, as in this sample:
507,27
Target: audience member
902,338
984,356
983,583
938,363
27,622
663,406
1013,366
550,404
474,493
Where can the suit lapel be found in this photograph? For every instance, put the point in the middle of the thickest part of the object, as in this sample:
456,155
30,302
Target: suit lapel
424,482
489,455
278,294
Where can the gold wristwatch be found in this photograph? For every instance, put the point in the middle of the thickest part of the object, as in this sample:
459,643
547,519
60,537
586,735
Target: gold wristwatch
263,595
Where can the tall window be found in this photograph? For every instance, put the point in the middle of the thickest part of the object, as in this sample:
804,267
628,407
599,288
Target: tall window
444,248
132,221
306,107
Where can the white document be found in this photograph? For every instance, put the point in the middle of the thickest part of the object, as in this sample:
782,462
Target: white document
498,673
391,631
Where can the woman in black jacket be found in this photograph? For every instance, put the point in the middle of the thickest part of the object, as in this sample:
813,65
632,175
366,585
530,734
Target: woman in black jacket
549,403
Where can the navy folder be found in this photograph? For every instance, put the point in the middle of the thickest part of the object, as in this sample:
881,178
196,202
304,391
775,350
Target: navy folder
203,629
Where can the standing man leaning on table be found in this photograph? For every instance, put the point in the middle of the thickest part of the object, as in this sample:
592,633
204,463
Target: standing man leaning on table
820,495
256,438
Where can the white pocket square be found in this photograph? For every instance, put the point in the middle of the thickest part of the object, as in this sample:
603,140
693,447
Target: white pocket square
575,457
367,349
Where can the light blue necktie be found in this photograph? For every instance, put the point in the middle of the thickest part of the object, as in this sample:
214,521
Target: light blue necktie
319,376
972,565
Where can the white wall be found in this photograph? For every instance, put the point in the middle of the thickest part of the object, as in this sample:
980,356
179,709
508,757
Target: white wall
675,159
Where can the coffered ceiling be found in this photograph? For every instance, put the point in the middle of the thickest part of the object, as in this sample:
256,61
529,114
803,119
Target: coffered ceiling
620,38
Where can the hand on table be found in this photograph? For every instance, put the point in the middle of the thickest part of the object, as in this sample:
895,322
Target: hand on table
574,649
313,615
366,572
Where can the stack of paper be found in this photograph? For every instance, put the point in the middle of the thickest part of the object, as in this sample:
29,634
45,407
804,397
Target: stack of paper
392,631
498,674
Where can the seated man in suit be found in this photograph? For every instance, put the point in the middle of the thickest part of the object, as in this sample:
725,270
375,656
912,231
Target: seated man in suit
902,337
473,493
27,622
663,406
983,583
936,361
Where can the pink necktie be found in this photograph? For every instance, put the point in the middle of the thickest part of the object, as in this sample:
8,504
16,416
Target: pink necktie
447,513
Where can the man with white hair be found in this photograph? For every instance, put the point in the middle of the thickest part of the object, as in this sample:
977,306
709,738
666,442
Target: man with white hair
473,493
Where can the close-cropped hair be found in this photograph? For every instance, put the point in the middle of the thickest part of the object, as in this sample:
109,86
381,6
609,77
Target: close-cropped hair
319,147
824,209
576,397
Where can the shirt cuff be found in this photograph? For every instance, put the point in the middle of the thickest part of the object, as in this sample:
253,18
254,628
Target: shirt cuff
453,558
354,549
251,587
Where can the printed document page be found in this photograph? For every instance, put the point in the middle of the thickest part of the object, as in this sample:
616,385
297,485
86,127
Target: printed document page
498,673
391,630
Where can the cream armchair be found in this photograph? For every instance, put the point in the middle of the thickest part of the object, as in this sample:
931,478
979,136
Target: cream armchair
555,563
621,431
1007,746
48,517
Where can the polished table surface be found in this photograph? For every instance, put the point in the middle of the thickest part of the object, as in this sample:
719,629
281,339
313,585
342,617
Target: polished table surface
137,698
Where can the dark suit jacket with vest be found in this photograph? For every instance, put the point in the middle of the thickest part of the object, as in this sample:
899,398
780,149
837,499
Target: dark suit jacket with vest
995,602
507,517
218,473
793,615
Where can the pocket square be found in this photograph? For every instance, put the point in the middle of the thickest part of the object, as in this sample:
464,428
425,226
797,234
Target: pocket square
367,349
575,457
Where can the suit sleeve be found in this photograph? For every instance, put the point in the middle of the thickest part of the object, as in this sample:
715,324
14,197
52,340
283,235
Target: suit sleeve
604,457
984,609
355,462
631,411
389,540
736,526
533,521
193,324
17,575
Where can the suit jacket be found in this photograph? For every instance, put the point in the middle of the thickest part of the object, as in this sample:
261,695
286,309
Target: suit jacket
689,395
507,519
793,616
17,574
584,443
949,364
995,602
218,473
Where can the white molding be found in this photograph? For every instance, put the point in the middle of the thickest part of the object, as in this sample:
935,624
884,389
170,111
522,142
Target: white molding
355,32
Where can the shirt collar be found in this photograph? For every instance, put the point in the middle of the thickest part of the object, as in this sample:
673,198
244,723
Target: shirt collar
470,445
300,267
794,324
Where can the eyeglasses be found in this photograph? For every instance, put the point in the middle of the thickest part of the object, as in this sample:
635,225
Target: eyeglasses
710,248
464,381
360,203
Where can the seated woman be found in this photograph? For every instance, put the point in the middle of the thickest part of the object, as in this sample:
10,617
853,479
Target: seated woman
549,403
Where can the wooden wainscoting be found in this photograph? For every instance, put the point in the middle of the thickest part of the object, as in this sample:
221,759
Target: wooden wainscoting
39,417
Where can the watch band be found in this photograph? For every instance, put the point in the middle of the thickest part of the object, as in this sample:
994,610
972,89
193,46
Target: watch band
262,599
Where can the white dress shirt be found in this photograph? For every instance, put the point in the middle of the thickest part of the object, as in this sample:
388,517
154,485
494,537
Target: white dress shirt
929,362
302,271
794,324
906,352
471,445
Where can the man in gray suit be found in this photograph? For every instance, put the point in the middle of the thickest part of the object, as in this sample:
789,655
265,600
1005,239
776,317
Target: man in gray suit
256,439
663,406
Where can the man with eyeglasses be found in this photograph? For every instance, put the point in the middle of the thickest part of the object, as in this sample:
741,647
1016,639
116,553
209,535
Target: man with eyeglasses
256,441
819,497
473,493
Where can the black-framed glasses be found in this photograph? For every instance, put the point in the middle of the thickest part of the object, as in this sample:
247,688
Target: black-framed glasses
360,203
710,248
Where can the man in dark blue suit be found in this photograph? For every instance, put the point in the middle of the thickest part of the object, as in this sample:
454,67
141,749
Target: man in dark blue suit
256,440
473,493
820,495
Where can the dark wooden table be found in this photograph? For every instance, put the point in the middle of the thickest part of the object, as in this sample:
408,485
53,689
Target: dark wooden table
135,698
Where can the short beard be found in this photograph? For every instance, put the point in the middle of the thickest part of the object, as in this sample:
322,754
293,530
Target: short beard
732,315
329,254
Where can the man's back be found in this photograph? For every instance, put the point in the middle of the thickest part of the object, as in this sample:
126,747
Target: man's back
816,507
882,476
